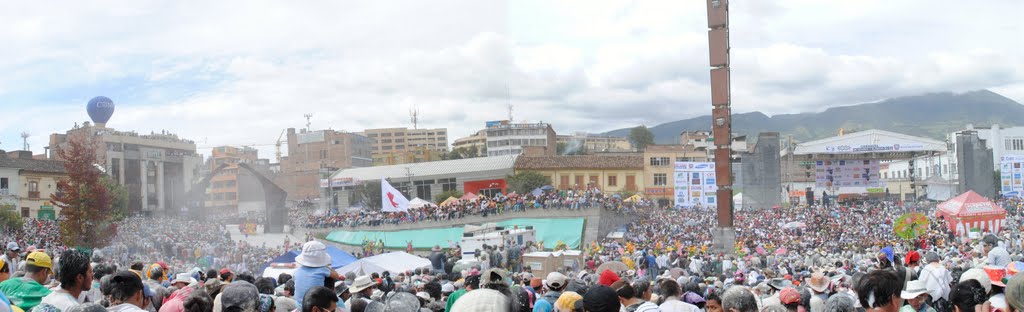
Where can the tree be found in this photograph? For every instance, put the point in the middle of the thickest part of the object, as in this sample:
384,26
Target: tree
118,198
524,182
640,137
9,219
84,200
367,193
444,196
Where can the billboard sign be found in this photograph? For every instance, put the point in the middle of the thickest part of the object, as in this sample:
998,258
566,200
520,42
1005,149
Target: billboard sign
847,173
695,184
1011,174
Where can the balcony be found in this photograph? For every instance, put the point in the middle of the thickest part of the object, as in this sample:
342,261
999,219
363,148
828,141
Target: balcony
33,194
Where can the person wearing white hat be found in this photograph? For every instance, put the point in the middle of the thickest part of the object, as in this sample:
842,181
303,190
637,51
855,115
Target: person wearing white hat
10,256
314,269
916,296
362,289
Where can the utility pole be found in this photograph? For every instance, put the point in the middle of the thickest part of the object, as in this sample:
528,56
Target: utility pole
408,173
718,44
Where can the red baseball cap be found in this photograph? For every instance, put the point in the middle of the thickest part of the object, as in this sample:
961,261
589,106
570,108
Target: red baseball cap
913,256
224,271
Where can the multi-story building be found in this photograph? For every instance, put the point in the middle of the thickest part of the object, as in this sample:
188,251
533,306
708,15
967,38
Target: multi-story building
705,140
393,146
608,173
223,194
591,143
313,155
510,138
659,167
478,140
26,184
158,169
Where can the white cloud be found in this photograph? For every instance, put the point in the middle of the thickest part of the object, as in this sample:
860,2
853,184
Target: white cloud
239,72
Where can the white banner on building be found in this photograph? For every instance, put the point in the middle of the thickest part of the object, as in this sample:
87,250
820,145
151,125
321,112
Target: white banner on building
871,148
847,173
1011,167
695,184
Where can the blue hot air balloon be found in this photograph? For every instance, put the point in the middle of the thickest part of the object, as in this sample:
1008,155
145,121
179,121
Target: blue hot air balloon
100,109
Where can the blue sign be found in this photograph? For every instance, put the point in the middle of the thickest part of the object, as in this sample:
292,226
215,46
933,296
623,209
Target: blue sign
100,109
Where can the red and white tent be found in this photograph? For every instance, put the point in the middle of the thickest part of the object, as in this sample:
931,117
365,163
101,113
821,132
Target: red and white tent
972,211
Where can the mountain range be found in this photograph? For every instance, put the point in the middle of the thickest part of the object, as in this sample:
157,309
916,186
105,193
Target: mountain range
932,115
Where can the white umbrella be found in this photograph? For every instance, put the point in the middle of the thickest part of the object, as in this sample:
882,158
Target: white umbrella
417,203
794,224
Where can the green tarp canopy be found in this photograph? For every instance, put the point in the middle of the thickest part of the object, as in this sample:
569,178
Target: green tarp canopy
567,230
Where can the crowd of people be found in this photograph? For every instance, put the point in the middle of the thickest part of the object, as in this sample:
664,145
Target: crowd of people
805,258
479,206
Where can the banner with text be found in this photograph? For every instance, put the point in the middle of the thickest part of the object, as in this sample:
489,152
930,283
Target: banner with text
695,184
839,173
1011,167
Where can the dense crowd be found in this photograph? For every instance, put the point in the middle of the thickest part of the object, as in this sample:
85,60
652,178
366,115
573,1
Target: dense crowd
818,259
479,206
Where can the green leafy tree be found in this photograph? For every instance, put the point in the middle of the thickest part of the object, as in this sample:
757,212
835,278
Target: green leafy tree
118,198
9,218
84,200
525,181
640,137
367,193
443,196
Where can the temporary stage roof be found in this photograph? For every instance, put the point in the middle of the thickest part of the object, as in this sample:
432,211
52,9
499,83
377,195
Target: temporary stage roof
396,261
870,141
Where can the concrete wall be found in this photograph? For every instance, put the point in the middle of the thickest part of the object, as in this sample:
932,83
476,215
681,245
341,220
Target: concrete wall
761,174
976,168
598,223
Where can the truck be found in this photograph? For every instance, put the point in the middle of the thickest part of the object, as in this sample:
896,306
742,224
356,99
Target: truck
475,237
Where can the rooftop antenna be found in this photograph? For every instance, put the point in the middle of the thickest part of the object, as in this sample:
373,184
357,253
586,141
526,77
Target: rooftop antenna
510,106
24,138
308,127
414,114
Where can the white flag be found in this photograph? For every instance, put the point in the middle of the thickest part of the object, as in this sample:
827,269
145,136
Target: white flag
391,199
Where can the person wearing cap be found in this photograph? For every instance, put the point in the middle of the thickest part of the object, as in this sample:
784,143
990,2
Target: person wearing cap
790,298
818,283
127,293
157,273
600,299
916,296
75,278
10,256
314,269
176,301
937,279
555,284
238,296
226,275
28,291
997,255
472,284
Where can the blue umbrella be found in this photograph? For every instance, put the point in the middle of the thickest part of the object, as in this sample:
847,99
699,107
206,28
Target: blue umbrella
616,196
537,192
547,187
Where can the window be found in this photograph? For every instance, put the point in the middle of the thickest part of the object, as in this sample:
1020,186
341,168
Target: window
388,148
682,159
595,179
398,134
660,179
563,182
3,183
885,175
423,191
371,135
230,183
385,134
231,196
385,141
399,140
24,212
660,161
33,186
323,154
579,180
612,181
447,184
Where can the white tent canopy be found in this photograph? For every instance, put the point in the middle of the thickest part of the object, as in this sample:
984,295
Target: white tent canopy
417,203
396,261
737,201
870,141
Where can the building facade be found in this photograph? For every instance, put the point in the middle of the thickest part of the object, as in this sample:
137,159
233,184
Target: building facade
157,169
26,184
223,193
478,140
591,143
393,146
608,173
509,138
659,167
313,155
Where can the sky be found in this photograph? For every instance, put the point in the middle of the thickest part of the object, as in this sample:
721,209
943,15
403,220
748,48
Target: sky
239,72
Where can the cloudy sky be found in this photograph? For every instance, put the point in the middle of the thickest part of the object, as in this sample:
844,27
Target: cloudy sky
238,72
